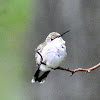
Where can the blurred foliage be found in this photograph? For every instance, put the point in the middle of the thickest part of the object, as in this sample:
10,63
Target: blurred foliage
14,18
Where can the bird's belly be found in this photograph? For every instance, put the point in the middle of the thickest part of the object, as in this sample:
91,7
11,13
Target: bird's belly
54,59
54,54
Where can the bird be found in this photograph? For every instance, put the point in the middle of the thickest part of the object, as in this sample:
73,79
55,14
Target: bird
49,56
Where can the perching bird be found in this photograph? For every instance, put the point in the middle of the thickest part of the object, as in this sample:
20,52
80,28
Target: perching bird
49,55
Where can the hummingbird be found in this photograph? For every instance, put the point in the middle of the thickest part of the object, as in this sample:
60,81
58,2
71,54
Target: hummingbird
49,56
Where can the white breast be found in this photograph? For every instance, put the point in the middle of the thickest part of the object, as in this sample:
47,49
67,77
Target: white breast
54,53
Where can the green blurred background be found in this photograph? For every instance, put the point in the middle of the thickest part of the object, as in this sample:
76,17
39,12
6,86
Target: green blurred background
14,24
26,23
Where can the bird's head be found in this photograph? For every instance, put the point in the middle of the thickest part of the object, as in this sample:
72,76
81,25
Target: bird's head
54,35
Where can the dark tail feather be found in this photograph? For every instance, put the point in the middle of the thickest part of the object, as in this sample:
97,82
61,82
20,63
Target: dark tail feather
43,77
40,76
36,76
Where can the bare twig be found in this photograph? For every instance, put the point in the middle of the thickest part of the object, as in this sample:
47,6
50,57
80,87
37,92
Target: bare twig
79,69
75,70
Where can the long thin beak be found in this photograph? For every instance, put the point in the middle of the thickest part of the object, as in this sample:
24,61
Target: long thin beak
64,33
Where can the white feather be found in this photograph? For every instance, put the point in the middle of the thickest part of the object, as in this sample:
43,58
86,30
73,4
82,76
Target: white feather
53,54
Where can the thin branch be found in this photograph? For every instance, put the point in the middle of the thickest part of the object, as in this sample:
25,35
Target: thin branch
79,69
75,70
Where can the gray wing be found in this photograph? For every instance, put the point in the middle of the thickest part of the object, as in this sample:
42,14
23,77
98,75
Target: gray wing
38,57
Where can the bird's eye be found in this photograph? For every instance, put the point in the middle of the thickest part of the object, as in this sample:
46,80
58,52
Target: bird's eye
51,39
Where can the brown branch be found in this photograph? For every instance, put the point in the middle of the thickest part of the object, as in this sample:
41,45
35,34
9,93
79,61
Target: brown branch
75,70
79,69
